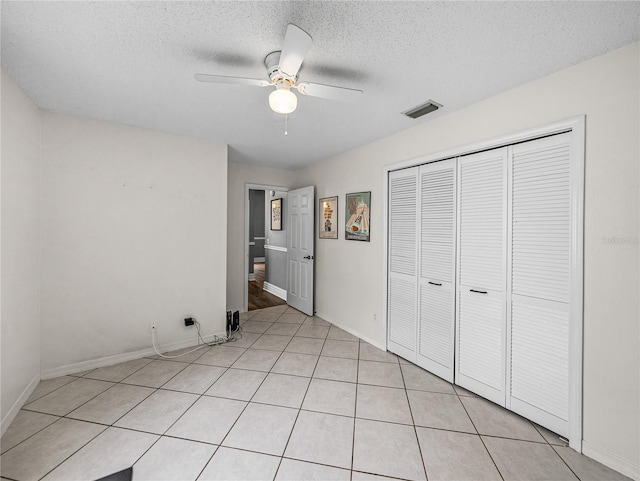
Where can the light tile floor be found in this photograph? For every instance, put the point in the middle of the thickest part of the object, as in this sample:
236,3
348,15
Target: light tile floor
295,399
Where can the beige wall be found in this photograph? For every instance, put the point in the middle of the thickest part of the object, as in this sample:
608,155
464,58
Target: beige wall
606,89
238,176
130,234
20,279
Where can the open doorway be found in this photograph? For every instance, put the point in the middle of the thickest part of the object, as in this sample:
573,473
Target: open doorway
258,298
265,249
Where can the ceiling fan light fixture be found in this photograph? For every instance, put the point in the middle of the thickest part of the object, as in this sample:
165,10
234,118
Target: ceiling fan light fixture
283,100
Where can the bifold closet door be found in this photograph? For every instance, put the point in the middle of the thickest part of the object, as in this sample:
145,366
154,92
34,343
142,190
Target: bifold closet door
541,257
403,255
481,280
437,249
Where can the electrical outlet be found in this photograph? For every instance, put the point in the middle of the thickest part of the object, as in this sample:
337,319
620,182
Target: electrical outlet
153,326
375,316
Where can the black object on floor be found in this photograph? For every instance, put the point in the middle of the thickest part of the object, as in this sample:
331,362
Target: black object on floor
124,475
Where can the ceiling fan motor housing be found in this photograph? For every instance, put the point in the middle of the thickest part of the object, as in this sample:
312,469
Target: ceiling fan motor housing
277,77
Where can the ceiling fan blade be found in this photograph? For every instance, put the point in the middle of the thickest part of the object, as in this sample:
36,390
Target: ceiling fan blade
222,79
296,45
329,92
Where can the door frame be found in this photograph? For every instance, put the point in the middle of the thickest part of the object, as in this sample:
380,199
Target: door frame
245,276
576,126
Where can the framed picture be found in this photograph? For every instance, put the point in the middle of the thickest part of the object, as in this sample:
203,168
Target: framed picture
357,216
328,218
276,214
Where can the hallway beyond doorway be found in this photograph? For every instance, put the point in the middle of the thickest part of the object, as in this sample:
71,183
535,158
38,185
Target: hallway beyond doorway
258,297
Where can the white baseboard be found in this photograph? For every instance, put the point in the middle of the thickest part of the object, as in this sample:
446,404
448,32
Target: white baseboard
122,357
351,331
252,276
258,259
15,409
611,460
275,290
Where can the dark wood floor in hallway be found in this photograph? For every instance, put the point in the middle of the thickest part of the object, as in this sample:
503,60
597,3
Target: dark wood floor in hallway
258,297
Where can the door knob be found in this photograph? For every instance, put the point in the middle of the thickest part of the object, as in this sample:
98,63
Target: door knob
308,257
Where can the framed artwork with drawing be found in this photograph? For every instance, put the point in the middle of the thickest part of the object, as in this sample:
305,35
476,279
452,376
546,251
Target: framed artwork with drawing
328,218
357,216
276,214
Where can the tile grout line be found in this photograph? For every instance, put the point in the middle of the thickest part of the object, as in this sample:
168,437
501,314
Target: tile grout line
282,457
72,454
112,425
65,416
478,434
355,414
232,425
554,450
39,431
298,413
188,408
119,418
301,403
154,392
50,392
413,421
243,410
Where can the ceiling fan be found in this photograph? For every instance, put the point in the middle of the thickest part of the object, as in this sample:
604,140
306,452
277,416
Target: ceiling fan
282,68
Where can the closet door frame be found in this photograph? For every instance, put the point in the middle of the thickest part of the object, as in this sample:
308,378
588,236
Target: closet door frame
576,126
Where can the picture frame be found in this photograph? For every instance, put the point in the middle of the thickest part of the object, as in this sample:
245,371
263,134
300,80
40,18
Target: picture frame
357,216
276,214
328,218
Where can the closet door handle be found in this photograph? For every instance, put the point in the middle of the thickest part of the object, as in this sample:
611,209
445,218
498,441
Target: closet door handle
479,292
434,283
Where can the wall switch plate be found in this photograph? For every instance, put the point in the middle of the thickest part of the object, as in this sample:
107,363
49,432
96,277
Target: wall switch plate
153,326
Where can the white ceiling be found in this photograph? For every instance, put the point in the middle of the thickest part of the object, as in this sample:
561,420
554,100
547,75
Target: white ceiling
133,62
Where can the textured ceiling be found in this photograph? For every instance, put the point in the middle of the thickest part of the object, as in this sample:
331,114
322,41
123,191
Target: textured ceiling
133,62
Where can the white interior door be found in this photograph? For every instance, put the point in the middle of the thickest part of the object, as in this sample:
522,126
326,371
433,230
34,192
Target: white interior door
300,248
403,261
437,247
481,314
541,257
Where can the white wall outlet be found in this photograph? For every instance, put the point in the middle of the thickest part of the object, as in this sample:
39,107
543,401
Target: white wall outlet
153,326
375,316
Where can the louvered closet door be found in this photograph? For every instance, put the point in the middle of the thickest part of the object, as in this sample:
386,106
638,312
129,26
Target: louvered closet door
541,272
403,256
481,321
437,245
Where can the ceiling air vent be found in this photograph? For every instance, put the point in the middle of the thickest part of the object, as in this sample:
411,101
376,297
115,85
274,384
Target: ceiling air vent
420,110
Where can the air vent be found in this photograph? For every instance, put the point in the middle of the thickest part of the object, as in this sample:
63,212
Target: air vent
420,110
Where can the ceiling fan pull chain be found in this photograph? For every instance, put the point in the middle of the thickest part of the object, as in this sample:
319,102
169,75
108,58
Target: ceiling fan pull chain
286,124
